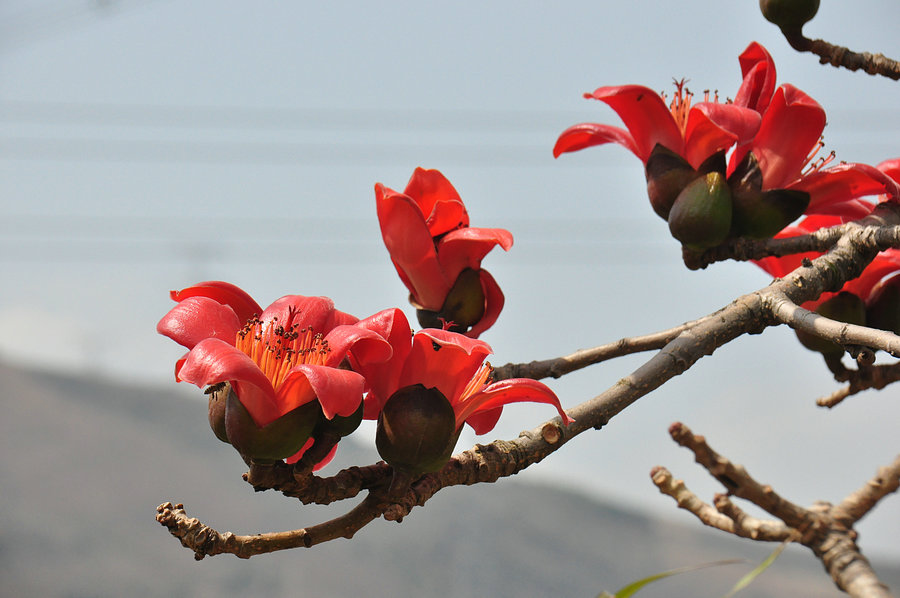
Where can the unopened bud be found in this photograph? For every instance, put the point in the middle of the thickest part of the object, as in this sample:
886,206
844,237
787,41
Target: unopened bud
416,430
790,15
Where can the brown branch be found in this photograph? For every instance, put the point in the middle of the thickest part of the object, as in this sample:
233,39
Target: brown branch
786,311
560,366
838,56
487,463
205,541
825,529
865,378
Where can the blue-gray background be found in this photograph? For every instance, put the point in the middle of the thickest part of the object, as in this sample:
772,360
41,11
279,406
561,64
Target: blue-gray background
146,145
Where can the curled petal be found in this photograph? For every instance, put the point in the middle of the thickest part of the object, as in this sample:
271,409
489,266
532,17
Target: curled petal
466,247
712,127
501,393
837,190
789,130
891,168
212,361
578,137
758,70
339,391
484,421
438,201
411,247
493,304
443,360
223,292
884,264
367,345
313,312
196,318
645,115
382,379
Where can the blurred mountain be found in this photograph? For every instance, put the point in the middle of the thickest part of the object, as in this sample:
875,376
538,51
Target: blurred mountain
86,462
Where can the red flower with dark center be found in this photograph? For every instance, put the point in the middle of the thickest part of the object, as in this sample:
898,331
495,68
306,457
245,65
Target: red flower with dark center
450,362
276,359
438,256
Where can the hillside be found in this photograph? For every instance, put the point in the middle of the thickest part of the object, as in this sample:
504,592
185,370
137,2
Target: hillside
86,462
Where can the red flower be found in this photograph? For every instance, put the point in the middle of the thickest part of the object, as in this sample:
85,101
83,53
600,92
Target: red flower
437,255
450,362
276,359
788,139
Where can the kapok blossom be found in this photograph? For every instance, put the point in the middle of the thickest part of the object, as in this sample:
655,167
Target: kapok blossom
773,173
438,256
276,359
450,362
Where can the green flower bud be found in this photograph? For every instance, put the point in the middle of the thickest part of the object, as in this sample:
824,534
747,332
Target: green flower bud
701,215
883,307
464,305
281,438
843,307
790,15
416,430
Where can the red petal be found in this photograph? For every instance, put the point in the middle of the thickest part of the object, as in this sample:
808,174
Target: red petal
836,190
466,247
383,378
578,137
501,393
367,345
196,318
884,264
213,361
296,457
443,360
891,168
225,293
712,127
789,130
313,312
493,304
645,115
758,70
339,391
438,201
411,247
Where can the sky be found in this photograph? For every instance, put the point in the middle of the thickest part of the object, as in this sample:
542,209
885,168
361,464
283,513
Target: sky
146,145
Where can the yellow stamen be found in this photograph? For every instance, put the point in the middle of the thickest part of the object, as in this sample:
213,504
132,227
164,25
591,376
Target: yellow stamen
276,348
478,381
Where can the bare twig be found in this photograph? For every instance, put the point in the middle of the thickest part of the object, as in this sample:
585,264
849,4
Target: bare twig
865,378
825,529
838,56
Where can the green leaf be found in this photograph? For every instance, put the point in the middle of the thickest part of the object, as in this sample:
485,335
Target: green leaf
633,588
745,580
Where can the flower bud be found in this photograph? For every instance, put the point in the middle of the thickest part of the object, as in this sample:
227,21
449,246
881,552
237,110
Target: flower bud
416,430
217,397
463,307
281,438
701,215
790,15
843,307
883,307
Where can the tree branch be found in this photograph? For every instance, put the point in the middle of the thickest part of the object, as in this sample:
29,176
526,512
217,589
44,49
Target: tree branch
825,529
838,56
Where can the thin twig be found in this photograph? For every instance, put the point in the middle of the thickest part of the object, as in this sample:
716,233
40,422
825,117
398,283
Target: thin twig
838,56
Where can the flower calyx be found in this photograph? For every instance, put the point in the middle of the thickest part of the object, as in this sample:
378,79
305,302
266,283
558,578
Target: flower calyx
464,306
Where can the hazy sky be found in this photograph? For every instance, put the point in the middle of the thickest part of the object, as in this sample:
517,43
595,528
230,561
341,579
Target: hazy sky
147,145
